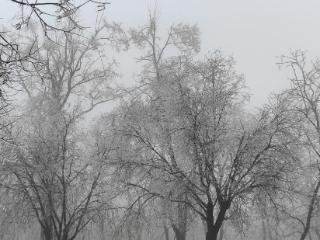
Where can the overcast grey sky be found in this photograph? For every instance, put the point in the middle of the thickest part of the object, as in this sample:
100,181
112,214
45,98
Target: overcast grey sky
255,32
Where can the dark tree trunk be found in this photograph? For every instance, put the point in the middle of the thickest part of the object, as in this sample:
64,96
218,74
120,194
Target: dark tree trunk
45,234
210,224
214,227
212,234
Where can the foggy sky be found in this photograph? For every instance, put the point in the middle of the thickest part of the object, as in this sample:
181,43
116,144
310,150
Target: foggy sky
255,32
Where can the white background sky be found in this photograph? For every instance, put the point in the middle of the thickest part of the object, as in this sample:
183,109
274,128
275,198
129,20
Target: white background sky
255,32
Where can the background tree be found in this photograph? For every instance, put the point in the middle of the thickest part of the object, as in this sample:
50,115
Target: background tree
184,39
60,183
51,174
73,72
302,100
14,52
186,127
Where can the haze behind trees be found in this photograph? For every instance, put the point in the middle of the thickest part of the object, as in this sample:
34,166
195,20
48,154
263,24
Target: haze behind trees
178,156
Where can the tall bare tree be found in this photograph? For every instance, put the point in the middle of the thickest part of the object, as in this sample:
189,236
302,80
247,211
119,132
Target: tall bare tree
59,182
72,72
58,185
187,129
303,106
45,13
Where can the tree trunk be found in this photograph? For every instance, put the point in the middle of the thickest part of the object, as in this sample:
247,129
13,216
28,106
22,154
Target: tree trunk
214,227
212,233
221,233
166,231
210,224
179,234
45,234
310,212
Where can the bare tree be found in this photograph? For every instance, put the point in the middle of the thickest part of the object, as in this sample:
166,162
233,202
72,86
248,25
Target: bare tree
57,183
52,170
15,52
46,11
187,129
303,104
72,72
184,39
